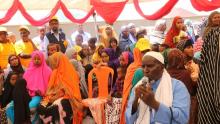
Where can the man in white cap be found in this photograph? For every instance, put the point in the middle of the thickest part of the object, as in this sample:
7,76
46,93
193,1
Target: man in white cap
124,41
157,98
6,48
25,46
39,40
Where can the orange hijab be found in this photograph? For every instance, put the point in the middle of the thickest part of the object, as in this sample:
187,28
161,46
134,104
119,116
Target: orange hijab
128,81
174,31
64,78
104,38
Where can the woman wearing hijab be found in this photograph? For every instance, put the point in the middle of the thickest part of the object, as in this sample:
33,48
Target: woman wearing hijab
85,55
96,58
72,55
8,88
14,65
174,34
63,88
128,81
109,59
18,111
187,48
106,34
177,70
37,74
21,100
125,59
208,83
213,21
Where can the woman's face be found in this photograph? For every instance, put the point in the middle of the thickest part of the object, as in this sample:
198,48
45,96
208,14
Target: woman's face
85,50
179,24
216,19
108,31
114,44
161,49
100,49
119,72
74,55
105,57
122,61
188,51
13,79
37,60
13,61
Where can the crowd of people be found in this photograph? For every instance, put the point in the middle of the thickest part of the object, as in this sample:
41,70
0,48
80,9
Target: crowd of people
134,77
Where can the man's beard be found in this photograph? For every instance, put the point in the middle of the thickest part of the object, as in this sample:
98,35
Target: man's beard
55,30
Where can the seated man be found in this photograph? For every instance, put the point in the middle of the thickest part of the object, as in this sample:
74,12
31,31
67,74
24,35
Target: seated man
157,98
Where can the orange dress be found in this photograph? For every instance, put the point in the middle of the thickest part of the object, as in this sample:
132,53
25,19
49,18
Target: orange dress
128,81
64,82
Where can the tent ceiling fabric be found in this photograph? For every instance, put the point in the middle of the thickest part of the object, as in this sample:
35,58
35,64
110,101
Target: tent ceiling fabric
49,4
90,6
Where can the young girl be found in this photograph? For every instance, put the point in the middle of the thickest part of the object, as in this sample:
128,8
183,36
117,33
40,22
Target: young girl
173,35
18,111
7,94
8,88
52,48
113,108
118,87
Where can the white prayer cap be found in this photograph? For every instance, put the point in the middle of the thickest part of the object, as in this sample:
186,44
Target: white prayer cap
41,27
24,27
124,28
130,25
161,22
155,55
3,29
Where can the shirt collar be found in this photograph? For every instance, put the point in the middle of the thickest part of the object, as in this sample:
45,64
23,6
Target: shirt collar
53,32
155,85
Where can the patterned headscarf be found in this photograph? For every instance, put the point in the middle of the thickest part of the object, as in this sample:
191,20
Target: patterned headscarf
183,44
175,59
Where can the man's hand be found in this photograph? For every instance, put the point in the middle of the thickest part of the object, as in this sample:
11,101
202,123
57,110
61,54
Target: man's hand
147,96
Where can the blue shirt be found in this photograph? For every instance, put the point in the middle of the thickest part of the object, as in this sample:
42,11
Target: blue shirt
180,106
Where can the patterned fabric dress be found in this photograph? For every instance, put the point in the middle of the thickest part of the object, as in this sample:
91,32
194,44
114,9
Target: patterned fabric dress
209,80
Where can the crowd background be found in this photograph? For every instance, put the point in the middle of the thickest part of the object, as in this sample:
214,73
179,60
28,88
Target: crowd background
61,71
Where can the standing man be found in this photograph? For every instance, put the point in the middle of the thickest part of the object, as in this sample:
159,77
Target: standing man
6,48
55,35
80,31
25,46
39,40
157,98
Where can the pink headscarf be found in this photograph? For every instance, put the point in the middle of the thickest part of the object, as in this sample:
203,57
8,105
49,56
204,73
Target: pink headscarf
37,77
126,55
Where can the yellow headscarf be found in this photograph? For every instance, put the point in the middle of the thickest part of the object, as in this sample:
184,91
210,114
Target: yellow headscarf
143,44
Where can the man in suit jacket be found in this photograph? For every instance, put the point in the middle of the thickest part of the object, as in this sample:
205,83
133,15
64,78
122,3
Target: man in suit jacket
55,35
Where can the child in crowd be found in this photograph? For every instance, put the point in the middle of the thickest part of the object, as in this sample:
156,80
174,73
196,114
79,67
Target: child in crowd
117,89
8,87
52,48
